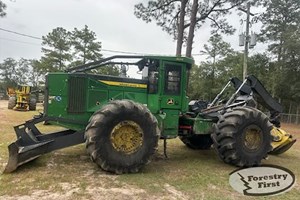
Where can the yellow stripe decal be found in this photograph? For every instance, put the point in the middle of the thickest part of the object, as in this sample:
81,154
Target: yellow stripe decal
116,83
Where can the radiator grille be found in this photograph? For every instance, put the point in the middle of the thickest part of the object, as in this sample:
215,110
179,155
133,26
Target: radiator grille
77,88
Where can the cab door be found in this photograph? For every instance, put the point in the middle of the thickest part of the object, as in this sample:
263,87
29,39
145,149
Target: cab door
172,86
170,100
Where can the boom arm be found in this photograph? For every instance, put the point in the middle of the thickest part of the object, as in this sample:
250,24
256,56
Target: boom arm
264,97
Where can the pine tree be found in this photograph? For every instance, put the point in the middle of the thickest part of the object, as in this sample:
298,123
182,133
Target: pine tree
2,9
181,18
281,31
86,46
56,49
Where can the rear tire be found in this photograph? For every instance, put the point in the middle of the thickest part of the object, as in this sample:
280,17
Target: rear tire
242,136
12,102
197,141
32,104
122,136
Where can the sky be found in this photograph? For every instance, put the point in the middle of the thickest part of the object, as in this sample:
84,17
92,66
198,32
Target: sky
113,21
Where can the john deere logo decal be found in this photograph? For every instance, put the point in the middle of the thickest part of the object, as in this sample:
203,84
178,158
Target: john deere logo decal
58,98
261,181
170,101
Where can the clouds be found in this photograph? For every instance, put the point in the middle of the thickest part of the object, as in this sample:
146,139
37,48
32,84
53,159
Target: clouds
113,22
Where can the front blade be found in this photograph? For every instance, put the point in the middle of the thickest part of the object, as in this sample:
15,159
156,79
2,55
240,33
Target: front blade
19,155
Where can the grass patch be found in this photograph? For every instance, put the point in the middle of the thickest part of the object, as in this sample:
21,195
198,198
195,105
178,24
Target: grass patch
69,173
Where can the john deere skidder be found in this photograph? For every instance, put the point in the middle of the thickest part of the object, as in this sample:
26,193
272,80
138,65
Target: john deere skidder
120,119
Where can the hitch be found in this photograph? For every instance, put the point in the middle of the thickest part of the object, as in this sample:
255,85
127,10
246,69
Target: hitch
31,143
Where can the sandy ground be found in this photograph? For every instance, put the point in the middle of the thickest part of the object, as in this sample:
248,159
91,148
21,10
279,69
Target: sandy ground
104,189
100,185
3,104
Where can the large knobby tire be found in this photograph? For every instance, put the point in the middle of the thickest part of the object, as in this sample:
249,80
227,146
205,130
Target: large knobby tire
11,102
32,104
197,141
242,136
122,136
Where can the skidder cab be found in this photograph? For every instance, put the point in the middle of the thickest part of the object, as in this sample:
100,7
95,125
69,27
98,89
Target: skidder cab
120,119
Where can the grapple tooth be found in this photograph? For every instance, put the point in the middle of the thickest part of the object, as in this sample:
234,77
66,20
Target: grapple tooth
283,147
282,141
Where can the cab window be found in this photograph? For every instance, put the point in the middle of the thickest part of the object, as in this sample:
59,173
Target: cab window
153,79
172,79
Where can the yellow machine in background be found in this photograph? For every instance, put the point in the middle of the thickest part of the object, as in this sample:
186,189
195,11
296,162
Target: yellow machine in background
20,98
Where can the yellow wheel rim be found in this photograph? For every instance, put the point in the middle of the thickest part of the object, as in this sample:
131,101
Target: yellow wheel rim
127,137
253,138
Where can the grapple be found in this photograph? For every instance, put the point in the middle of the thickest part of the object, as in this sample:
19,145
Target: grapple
282,141
31,143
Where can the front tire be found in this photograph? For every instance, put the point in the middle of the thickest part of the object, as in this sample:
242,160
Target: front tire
122,136
242,136
32,104
12,102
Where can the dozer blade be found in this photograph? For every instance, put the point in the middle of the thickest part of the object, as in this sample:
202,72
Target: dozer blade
19,155
282,141
31,143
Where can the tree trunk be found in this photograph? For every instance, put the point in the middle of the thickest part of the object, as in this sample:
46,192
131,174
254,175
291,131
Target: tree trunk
297,115
180,30
84,53
189,44
213,77
290,113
